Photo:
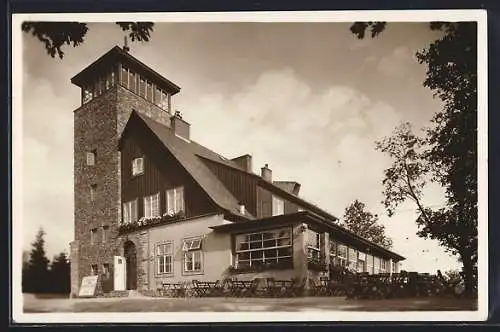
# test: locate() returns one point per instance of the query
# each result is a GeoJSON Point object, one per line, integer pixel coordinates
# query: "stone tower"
{"type": "Point", "coordinates": [111, 87]}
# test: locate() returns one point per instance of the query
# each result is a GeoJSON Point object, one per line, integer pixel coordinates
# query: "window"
{"type": "Point", "coordinates": [342, 255]}
{"type": "Point", "coordinates": [164, 101]}
{"type": "Point", "coordinates": [369, 264]}
{"type": "Point", "coordinates": [142, 87]}
{"type": "Point", "coordinates": [130, 212]}
{"type": "Point", "coordinates": [93, 192]}
{"type": "Point", "coordinates": [137, 166]}
{"type": "Point", "coordinates": [394, 267]}
{"type": "Point", "coordinates": [105, 233]}
{"type": "Point", "coordinates": [278, 206]}
{"type": "Point", "coordinates": [269, 247]}
{"type": "Point", "coordinates": [91, 156]}
{"type": "Point", "coordinates": [383, 266]}
{"type": "Point", "coordinates": [313, 246]}
{"type": "Point", "coordinates": [175, 200]}
{"type": "Point", "coordinates": [164, 258]}
{"type": "Point", "coordinates": [192, 255]}
{"type": "Point", "coordinates": [152, 206]}
{"type": "Point", "coordinates": [113, 78]}
{"type": "Point", "coordinates": [361, 261]}
{"type": "Point", "coordinates": [93, 269]}
{"type": "Point", "coordinates": [132, 83]}
{"type": "Point", "coordinates": [105, 269]}
{"type": "Point", "coordinates": [149, 92]}
{"type": "Point", "coordinates": [157, 97]}
{"type": "Point", "coordinates": [376, 265]}
{"type": "Point", "coordinates": [124, 78]}
{"type": "Point", "coordinates": [93, 235]}
{"type": "Point", "coordinates": [87, 95]}
{"type": "Point", "coordinates": [108, 80]}
{"type": "Point", "coordinates": [353, 259]}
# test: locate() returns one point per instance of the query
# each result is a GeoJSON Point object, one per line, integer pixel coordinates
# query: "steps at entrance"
{"type": "Point", "coordinates": [124, 293]}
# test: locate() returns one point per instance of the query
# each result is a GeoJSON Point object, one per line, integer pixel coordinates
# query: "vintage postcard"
{"type": "Point", "coordinates": [258, 166]}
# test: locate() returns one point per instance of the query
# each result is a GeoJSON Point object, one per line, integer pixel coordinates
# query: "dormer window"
{"type": "Point", "coordinates": [278, 206]}
{"type": "Point", "coordinates": [137, 166]}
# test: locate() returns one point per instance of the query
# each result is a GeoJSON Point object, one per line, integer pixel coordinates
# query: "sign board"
{"type": "Point", "coordinates": [88, 286]}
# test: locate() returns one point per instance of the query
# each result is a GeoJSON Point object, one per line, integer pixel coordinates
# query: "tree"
{"type": "Point", "coordinates": [56, 34]}
{"type": "Point", "coordinates": [37, 270]}
{"type": "Point", "coordinates": [60, 272]}
{"type": "Point", "coordinates": [365, 224]}
{"type": "Point", "coordinates": [447, 154]}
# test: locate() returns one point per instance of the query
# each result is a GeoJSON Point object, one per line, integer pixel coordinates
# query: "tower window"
{"type": "Point", "coordinates": [142, 87]}
{"type": "Point", "coordinates": [93, 235]}
{"type": "Point", "coordinates": [93, 192]}
{"type": "Point", "coordinates": [87, 95]}
{"type": "Point", "coordinates": [132, 83]}
{"type": "Point", "coordinates": [105, 233]}
{"type": "Point", "coordinates": [157, 98]}
{"type": "Point", "coordinates": [137, 166]}
{"type": "Point", "coordinates": [149, 92]}
{"type": "Point", "coordinates": [124, 78]}
{"type": "Point", "coordinates": [91, 157]}
{"type": "Point", "coordinates": [164, 101]}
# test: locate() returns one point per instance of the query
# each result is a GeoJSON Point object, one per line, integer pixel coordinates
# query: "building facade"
{"type": "Point", "coordinates": [153, 205]}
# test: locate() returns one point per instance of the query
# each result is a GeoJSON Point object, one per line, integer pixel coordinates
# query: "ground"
{"type": "Point", "coordinates": [33, 304]}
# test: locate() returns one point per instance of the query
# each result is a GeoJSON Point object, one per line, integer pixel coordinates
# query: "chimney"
{"type": "Point", "coordinates": [245, 162]}
{"type": "Point", "coordinates": [241, 208]}
{"type": "Point", "coordinates": [179, 126]}
{"type": "Point", "coordinates": [266, 173]}
{"type": "Point", "coordinates": [125, 45]}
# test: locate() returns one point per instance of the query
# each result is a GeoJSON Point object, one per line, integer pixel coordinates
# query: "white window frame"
{"type": "Point", "coordinates": [130, 212]}
{"type": "Point", "coordinates": [91, 158]}
{"type": "Point", "coordinates": [278, 206]}
{"type": "Point", "coordinates": [93, 192]}
{"type": "Point", "coordinates": [149, 211]}
{"type": "Point", "coordinates": [192, 249]}
{"type": "Point", "coordinates": [259, 252]}
{"type": "Point", "coordinates": [165, 258]}
{"type": "Point", "coordinates": [138, 166]}
{"type": "Point", "coordinates": [175, 197]}
{"type": "Point", "coordinates": [313, 245]}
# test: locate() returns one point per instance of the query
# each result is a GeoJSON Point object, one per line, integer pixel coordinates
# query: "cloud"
{"type": "Point", "coordinates": [322, 138]}
{"type": "Point", "coordinates": [397, 63]}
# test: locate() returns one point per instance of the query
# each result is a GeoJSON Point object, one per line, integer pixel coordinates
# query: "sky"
{"type": "Point", "coordinates": [309, 99]}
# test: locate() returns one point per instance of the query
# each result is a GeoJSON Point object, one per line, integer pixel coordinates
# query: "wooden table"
{"type": "Point", "coordinates": [207, 288]}
{"type": "Point", "coordinates": [174, 289]}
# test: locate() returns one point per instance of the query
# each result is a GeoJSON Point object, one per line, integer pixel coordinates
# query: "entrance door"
{"type": "Point", "coordinates": [131, 267]}
{"type": "Point", "coordinates": [119, 273]}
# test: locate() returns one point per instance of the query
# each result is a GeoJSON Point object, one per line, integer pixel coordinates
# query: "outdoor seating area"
{"type": "Point", "coordinates": [349, 285]}
{"type": "Point", "coordinates": [259, 287]}
{"type": "Point", "coordinates": [396, 285]}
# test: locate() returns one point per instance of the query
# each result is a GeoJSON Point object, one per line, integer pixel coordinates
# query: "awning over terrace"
{"type": "Point", "coordinates": [336, 232]}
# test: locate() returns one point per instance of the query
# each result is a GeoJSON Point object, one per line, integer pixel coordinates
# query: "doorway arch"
{"type": "Point", "coordinates": [130, 253]}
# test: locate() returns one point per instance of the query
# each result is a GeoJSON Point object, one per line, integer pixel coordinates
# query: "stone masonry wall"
{"type": "Point", "coordinates": [98, 125]}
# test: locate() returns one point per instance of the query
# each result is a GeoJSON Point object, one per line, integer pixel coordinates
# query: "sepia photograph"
{"type": "Point", "coordinates": [249, 166]}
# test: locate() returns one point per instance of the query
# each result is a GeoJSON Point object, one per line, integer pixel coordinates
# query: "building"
{"type": "Point", "coordinates": [151, 204]}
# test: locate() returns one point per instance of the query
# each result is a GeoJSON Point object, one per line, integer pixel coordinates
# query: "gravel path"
{"type": "Point", "coordinates": [141, 304]}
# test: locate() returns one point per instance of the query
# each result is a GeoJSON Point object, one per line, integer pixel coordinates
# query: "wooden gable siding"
{"type": "Point", "coordinates": [161, 172]}
{"type": "Point", "coordinates": [265, 204]}
{"type": "Point", "coordinates": [238, 183]}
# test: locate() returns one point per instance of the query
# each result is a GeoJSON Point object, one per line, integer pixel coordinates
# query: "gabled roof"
{"type": "Point", "coordinates": [183, 152]}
